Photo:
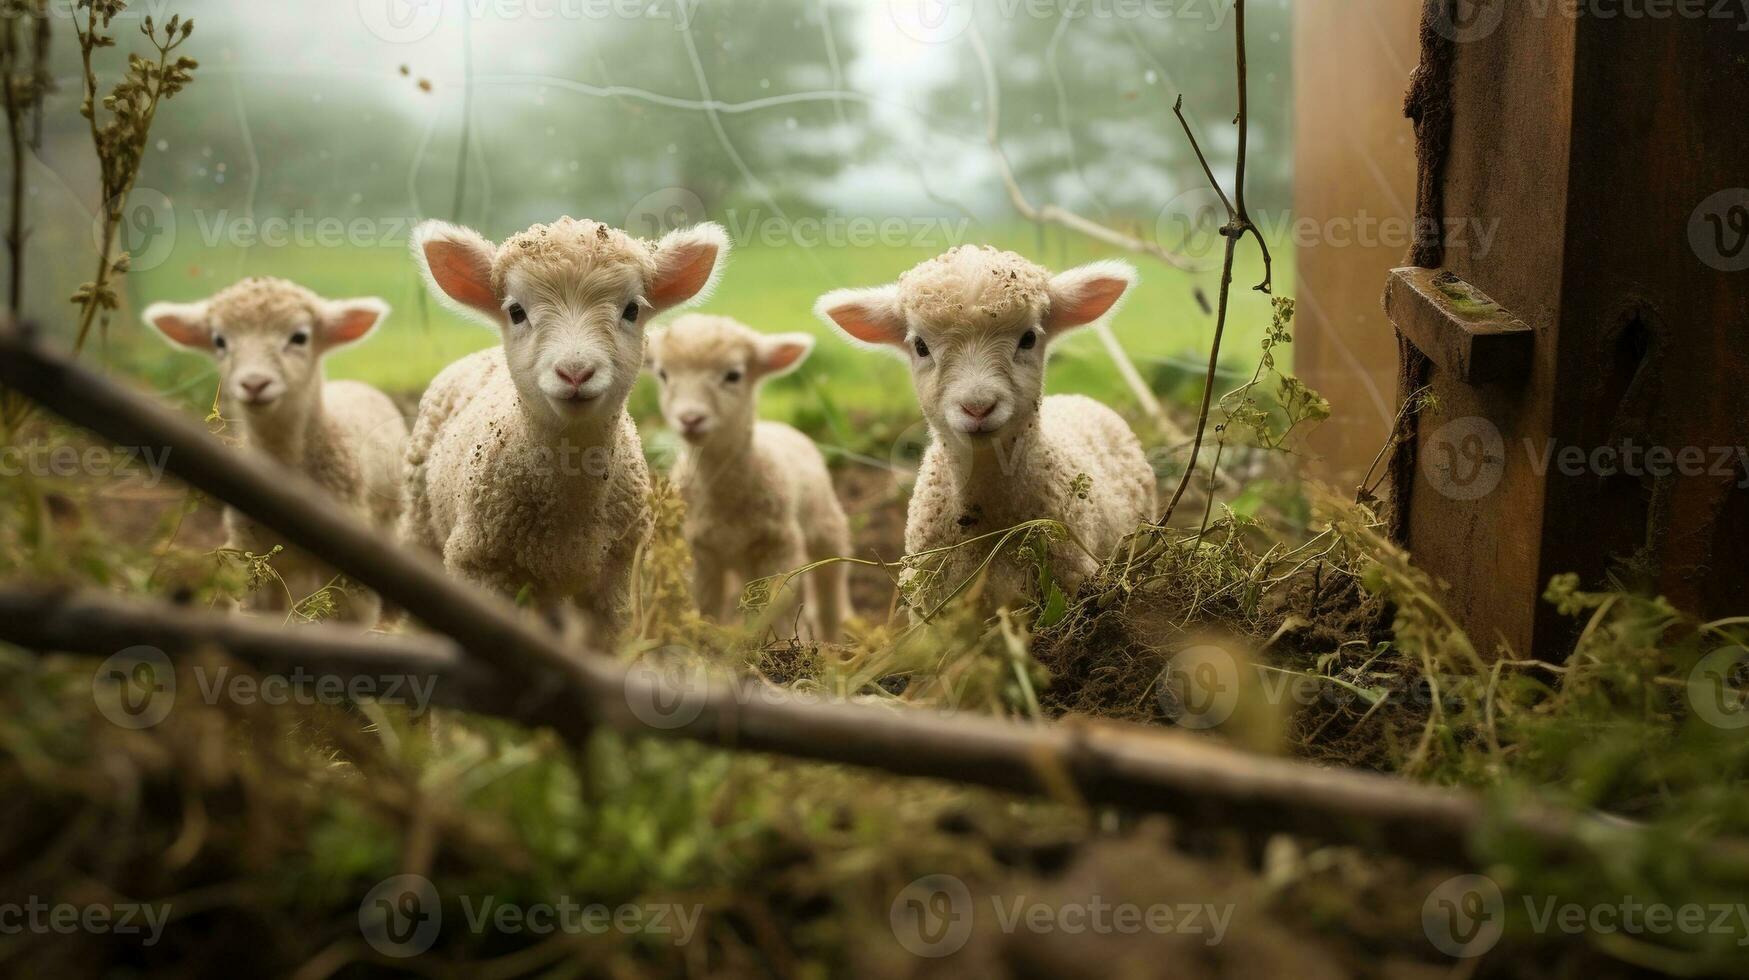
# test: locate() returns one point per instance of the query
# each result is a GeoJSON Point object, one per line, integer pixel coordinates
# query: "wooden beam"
{"type": "Point", "coordinates": [1458, 326]}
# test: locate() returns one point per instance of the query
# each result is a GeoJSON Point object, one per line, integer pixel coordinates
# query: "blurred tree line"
{"type": "Point", "coordinates": [305, 109]}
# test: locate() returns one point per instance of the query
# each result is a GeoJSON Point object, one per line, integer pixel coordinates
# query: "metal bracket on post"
{"type": "Point", "coordinates": [1458, 326]}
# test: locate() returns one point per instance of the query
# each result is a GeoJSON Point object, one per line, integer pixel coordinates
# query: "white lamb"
{"type": "Point", "coordinates": [975, 325]}
{"type": "Point", "coordinates": [759, 499]}
{"type": "Point", "coordinates": [269, 337]}
{"type": "Point", "coordinates": [525, 472]}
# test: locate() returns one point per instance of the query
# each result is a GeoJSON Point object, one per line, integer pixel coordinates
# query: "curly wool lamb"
{"type": "Point", "coordinates": [525, 473]}
{"type": "Point", "coordinates": [269, 337]}
{"type": "Point", "coordinates": [975, 325]}
{"type": "Point", "coordinates": [759, 499]}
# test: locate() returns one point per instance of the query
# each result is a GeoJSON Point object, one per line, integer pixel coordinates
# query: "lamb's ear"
{"type": "Point", "coordinates": [457, 262]}
{"type": "Point", "coordinates": [183, 324]}
{"type": "Point", "coordinates": [688, 262]}
{"type": "Point", "coordinates": [872, 316]}
{"type": "Point", "coordinates": [783, 353]}
{"type": "Point", "coordinates": [1086, 293]}
{"type": "Point", "coordinates": [347, 320]}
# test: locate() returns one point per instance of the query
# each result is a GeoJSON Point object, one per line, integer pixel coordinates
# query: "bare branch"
{"type": "Point", "coordinates": [1238, 225]}
{"type": "Point", "coordinates": [1122, 765]}
{"type": "Point", "coordinates": [1178, 110]}
{"type": "Point", "coordinates": [1051, 213]}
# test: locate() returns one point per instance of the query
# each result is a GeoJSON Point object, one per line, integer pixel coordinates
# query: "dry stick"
{"type": "Point", "coordinates": [1110, 764]}
{"type": "Point", "coordinates": [15, 192]}
{"type": "Point", "coordinates": [48, 617]}
{"type": "Point", "coordinates": [1238, 225]}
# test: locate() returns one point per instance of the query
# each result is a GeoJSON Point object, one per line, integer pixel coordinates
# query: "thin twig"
{"type": "Point", "coordinates": [1238, 225]}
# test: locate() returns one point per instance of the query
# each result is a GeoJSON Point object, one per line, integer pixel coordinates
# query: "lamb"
{"type": "Point", "coordinates": [525, 473]}
{"type": "Point", "coordinates": [975, 325]}
{"type": "Point", "coordinates": [759, 500]}
{"type": "Point", "coordinates": [269, 337]}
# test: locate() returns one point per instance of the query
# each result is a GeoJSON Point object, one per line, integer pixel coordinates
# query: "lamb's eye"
{"type": "Point", "coordinates": [1029, 340]}
{"type": "Point", "coordinates": [517, 313]}
{"type": "Point", "coordinates": [631, 313]}
{"type": "Point", "coordinates": [219, 343]}
{"type": "Point", "coordinates": [922, 348]}
{"type": "Point", "coordinates": [662, 375]}
{"type": "Point", "coordinates": [732, 377]}
{"type": "Point", "coordinates": [300, 338]}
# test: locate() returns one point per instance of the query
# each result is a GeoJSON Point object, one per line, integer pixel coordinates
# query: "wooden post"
{"type": "Point", "coordinates": [1592, 190]}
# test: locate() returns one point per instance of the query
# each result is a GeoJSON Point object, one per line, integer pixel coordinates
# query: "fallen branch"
{"type": "Point", "coordinates": [53, 618]}
{"type": "Point", "coordinates": [1100, 764]}
{"type": "Point", "coordinates": [1103, 763]}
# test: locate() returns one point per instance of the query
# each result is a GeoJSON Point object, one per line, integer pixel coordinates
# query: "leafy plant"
{"type": "Point", "coordinates": [121, 125]}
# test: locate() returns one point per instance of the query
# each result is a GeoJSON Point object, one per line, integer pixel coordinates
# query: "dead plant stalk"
{"type": "Point", "coordinates": [1238, 225]}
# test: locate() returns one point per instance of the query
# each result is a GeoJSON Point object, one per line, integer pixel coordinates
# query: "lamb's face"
{"type": "Point", "coordinates": [976, 378]}
{"type": "Point", "coordinates": [268, 336]}
{"type": "Point", "coordinates": [570, 300]}
{"type": "Point", "coordinates": [708, 371]}
{"type": "Point", "coordinates": [574, 336]}
{"type": "Point", "coordinates": [975, 325]}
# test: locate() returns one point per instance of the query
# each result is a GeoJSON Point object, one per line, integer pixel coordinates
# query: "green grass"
{"type": "Point", "coordinates": [772, 289]}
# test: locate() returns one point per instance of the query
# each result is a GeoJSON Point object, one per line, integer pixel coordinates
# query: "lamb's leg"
{"type": "Point", "coordinates": [829, 585]}
{"type": "Point", "coordinates": [829, 595]}
{"type": "Point", "coordinates": [707, 586]}
{"type": "Point", "coordinates": [607, 610]}
{"type": "Point", "coordinates": [359, 605]}
{"type": "Point", "coordinates": [787, 555]}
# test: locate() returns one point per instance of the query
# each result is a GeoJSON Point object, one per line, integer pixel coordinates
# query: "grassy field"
{"type": "Point", "coordinates": [773, 289]}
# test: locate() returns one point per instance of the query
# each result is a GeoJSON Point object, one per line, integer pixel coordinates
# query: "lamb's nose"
{"type": "Point", "coordinates": [978, 410]}
{"type": "Point", "coordinates": [253, 387]}
{"type": "Point", "coordinates": [691, 421]}
{"type": "Point", "coordinates": [574, 376]}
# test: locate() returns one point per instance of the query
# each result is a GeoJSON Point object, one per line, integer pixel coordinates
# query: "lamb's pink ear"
{"type": "Point", "coordinates": [183, 324]}
{"type": "Point", "coordinates": [688, 262]}
{"type": "Point", "coordinates": [784, 352]}
{"type": "Point", "coordinates": [347, 320]}
{"type": "Point", "coordinates": [1086, 293]}
{"type": "Point", "coordinates": [458, 262]}
{"type": "Point", "coordinates": [872, 316]}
